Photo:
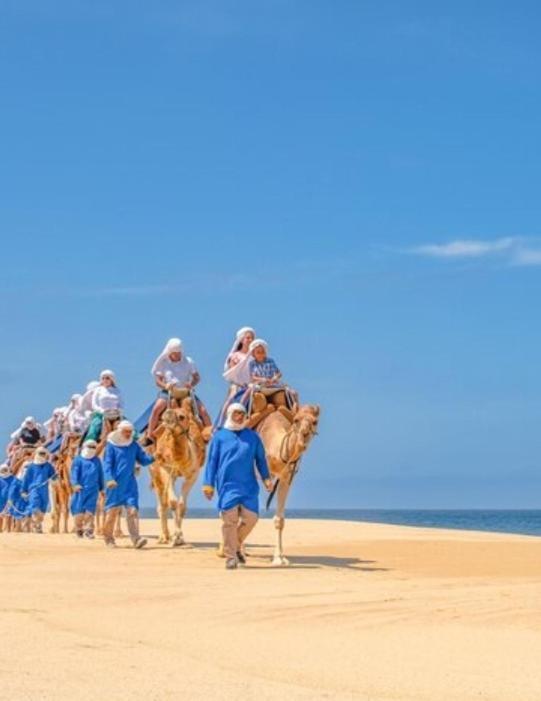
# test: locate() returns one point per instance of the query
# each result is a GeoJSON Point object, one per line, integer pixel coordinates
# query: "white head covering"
{"type": "Point", "coordinates": [29, 422]}
{"type": "Point", "coordinates": [75, 399]}
{"type": "Point", "coordinates": [241, 333]}
{"type": "Point", "coordinates": [258, 342]}
{"type": "Point", "coordinates": [59, 411]}
{"type": "Point", "coordinates": [173, 345]}
{"type": "Point", "coordinates": [238, 373]}
{"type": "Point", "coordinates": [92, 385]}
{"type": "Point", "coordinates": [229, 423]}
{"type": "Point", "coordinates": [108, 373]}
{"type": "Point", "coordinates": [5, 470]}
{"type": "Point", "coordinates": [89, 449]}
{"type": "Point", "coordinates": [116, 437]}
{"type": "Point", "coordinates": [40, 456]}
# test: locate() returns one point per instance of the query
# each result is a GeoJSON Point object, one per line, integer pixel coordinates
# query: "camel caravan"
{"type": "Point", "coordinates": [84, 462]}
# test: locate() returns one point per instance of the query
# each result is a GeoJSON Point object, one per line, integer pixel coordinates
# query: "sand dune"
{"type": "Point", "coordinates": [366, 611]}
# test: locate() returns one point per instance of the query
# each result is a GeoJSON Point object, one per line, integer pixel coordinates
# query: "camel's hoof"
{"type": "Point", "coordinates": [280, 562]}
{"type": "Point", "coordinates": [163, 540]}
{"type": "Point", "coordinates": [178, 541]}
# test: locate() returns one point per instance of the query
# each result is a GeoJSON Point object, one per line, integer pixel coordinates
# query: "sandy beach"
{"type": "Point", "coordinates": [365, 611]}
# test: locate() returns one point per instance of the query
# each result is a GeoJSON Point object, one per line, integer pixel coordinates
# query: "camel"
{"type": "Point", "coordinates": [285, 442]}
{"type": "Point", "coordinates": [61, 488]}
{"type": "Point", "coordinates": [22, 454]}
{"type": "Point", "coordinates": [179, 453]}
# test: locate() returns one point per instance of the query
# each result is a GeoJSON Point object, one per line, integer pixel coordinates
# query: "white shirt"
{"type": "Point", "coordinates": [106, 399]}
{"type": "Point", "coordinates": [239, 374]}
{"type": "Point", "coordinates": [86, 402]}
{"type": "Point", "coordinates": [179, 373]}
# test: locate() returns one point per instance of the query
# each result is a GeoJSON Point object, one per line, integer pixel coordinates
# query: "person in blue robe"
{"type": "Point", "coordinates": [235, 455]}
{"type": "Point", "coordinates": [35, 487]}
{"type": "Point", "coordinates": [122, 455]}
{"type": "Point", "coordinates": [87, 482]}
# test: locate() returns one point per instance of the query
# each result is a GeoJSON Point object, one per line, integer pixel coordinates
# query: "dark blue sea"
{"type": "Point", "coordinates": [526, 522]}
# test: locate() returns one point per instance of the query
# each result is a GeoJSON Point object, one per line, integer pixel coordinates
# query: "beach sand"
{"type": "Point", "coordinates": [365, 611]}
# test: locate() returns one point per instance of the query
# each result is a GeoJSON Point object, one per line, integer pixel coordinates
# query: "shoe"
{"type": "Point", "coordinates": [231, 564]}
{"type": "Point", "coordinates": [240, 558]}
{"type": "Point", "coordinates": [140, 543]}
{"type": "Point", "coordinates": [79, 534]}
{"type": "Point", "coordinates": [89, 535]}
{"type": "Point", "coordinates": [110, 543]}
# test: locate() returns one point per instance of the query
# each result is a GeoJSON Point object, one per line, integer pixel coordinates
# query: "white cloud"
{"type": "Point", "coordinates": [527, 256]}
{"type": "Point", "coordinates": [466, 248]}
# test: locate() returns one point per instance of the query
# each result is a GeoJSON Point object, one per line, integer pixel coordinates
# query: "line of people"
{"type": "Point", "coordinates": [256, 389]}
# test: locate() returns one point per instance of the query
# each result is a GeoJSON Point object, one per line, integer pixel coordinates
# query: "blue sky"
{"type": "Point", "coordinates": [358, 180]}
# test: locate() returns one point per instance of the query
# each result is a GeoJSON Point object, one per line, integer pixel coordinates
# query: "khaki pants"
{"type": "Point", "coordinates": [37, 521]}
{"type": "Point", "coordinates": [237, 524]}
{"type": "Point", "coordinates": [132, 517]}
{"type": "Point", "coordinates": [84, 522]}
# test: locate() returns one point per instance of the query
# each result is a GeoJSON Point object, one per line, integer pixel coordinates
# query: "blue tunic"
{"type": "Point", "coordinates": [88, 474]}
{"type": "Point", "coordinates": [5, 483]}
{"type": "Point", "coordinates": [20, 507]}
{"type": "Point", "coordinates": [36, 485]}
{"type": "Point", "coordinates": [233, 457]}
{"type": "Point", "coordinates": [119, 465]}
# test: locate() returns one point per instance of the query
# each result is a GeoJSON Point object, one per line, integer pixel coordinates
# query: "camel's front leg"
{"type": "Point", "coordinates": [180, 511]}
{"type": "Point", "coordinates": [55, 514]}
{"type": "Point", "coordinates": [278, 559]}
{"type": "Point", "coordinates": [66, 512]}
{"type": "Point", "coordinates": [163, 511]}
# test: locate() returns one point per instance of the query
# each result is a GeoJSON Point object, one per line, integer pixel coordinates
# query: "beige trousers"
{"type": "Point", "coordinates": [237, 524]}
{"type": "Point", "coordinates": [132, 517]}
{"type": "Point", "coordinates": [84, 522]}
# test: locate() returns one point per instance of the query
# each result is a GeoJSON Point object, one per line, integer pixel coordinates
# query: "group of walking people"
{"type": "Point", "coordinates": [109, 465]}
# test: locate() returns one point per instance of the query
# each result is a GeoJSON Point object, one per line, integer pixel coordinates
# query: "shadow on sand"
{"type": "Point", "coordinates": [304, 562]}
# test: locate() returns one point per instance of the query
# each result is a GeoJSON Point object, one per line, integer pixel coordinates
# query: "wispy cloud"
{"type": "Point", "coordinates": [465, 248]}
{"type": "Point", "coordinates": [527, 256]}
{"type": "Point", "coordinates": [511, 250]}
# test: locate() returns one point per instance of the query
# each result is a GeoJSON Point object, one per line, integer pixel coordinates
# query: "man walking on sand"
{"type": "Point", "coordinates": [234, 455]}
{"type": "Point", "coordinates": [120, 470]}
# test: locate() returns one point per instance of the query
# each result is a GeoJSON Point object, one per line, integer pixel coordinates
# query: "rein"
{"type": "Point", "coordinates": [285, 457]}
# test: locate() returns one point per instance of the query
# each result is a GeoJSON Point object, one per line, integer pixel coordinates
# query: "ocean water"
{"type": "Point", "coordinates": [526, 522]}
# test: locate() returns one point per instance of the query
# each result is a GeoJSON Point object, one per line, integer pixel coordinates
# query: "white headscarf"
{"type": "Point", "coordinates": [258, 342]}
{"type": "Point", "coordinates": [108, 373]}
{"type": "Point", "coordinates": [40, 456]}
{"type": "Point", "coordinates": [238, 373]}
{"type": "Point", "coordinates": [89, 449]}
{"type": "Point", "coordinates": [29, 422]}
{"type": "Point", "coordinates": [116, 437]}
{"type": "Point", "coordinates": [229, 423]}
{"type": "Point", "coordinates": [173, 345]}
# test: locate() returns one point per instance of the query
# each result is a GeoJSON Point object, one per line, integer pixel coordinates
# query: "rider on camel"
{"type": "Point", "coordinates": [175, 375]}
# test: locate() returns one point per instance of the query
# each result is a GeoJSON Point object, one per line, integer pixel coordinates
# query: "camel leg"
{"type": "Point", "coordinates": [180, 511]}
{"type": "Point", "coordinates": [278, 559]}
{"type": "Point", "coordinates": [163, 512]}
{"type": "Point", "coordinates": [55, 516]}
{"type": "Point", "coordinates": [66, 513]}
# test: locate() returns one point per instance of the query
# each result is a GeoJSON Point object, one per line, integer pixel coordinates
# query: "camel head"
{"type": "Point", "coordinates": [304, 427]}
{"type": "Point", "coordinates": [176, 420]}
